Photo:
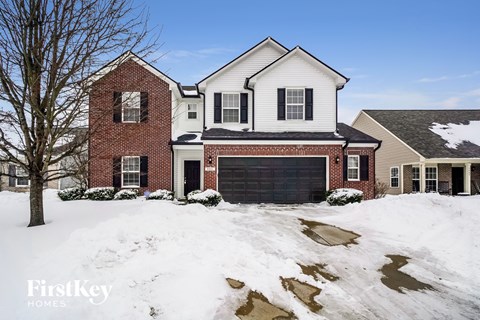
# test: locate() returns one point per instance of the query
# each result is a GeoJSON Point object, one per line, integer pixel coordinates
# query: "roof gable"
{"type": "Point", "coordinates": [414, 128]}
{"type": "Point", "coordinates": [266, 41]}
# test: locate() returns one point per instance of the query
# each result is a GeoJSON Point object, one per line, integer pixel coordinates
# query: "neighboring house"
{"type": "Point", "coordinates": [263, 128]}
{"type": "Point", "coordinates": [425, 150]}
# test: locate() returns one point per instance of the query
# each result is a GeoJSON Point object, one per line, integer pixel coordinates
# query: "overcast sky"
{"type": "Point", "coordinates": [398, 54]}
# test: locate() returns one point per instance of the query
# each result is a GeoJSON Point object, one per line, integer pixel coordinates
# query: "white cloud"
{"type": "Point", "coordinates": [442, 78]}
{"type": "Point", "coordinates": [180, 55]}
{"type": "Point", "coordinates": [433, 79]}
{"type": "Point", "coordinates": [451, 103]}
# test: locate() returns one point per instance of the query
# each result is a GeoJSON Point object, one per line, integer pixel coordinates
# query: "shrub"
{"type": "Point", "coordinates": [126, 194]}
{"type": "Point", "coordinates": [71, 194]}
{"type": "Point", "coordinates": [340, 197]}
{"type": "Point", "coordinates": [100, 194]}
{"type": "Point", "coordinates": [380, 189]}
{"type": "Point", "coordinates": [160, 194]}
{"type": "Point", "coordinates": [209, 197]}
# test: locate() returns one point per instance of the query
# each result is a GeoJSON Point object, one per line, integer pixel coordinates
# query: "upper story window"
{"type": "Point", "coordinates": [131, 106]}
{"type": "Point", "coordinates": [22, 177]}
{"type": "Point", "coordinates": [231, 107]}
{"type": "Point", "coordinates": [192, 111]}
{"type": "Point", "coordinates": [131, 172]}
{"type": "Point", "coordinates": [353, 168]}
{"type": "Point", "coordinates": [394, 177]}
{"type": "Point", "coordinates": [295, 104]}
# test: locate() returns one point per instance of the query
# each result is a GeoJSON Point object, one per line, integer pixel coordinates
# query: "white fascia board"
{"type": "Point", "coordinates": [362, 145]}
{"type": "Point", "coordinates": [452, 160]}
{"type": "Point", "coordinates": [272, 142]}
{"type": "Point", "coordinates": [188, 147]}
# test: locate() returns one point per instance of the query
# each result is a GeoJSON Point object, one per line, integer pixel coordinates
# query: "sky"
{"type": "Point", "coordinates": [398, 54]}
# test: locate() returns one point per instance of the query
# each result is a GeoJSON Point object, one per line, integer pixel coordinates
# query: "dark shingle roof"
{"type": "Point", "coordinates": [412, 127]}
{"type": "Point", "coordinates": [345, 132]}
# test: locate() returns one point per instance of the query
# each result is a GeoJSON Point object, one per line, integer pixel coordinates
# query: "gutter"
{"type": "Point", "coordinates": [173, 165]}
{"type": "Point", "coordinates": [378, 147]}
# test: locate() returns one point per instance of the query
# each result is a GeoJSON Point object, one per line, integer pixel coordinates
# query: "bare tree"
{"type": "Point", "coordinates": [48, 49]}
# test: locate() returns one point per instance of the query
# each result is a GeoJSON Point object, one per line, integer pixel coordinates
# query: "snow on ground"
{"type": "Point", "coordinates": [455, 134]}
{"type": "Point", "coordinates": [174, 259]}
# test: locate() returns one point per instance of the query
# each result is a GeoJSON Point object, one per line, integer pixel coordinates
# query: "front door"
{"type": "Point", "coordinates": [457, 180]}
{"type": "Point", "coordinates": [191, 179]}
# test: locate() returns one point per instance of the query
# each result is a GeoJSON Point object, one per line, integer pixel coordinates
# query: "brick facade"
{"type": "Point", "coordinates": [335, 170]}
{"type": "Point", "coordinates": [149, 138]}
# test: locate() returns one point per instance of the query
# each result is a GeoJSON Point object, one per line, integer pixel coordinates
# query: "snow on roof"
{"type": "Point", "coordinates": [184, 136]}
{"type": "Point", "coordinates": [190, 92]}
{"type": "Point", "coordinates": [456, 134]}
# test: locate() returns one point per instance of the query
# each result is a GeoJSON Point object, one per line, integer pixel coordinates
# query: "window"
{"type": "Point", "coordinates": [430, 179]}
{"type": "Point", "coordinates": [394, 174]}
{"type": "Point", "coordinates": [191, 111]}
{"type": "Point", "coordinates": [22, 177]}
{"type": "Point", "coordinates": [353, 168]}
{"type": "Point", "coordinates": [231, 107]}
{"type": "Point", "coordinates": [415, 179]}
{"type": "Point", "coordinates": [130, 106]}
{"type": "Point", "coordinates": [131, 172]}
{"type": "Point", "coordinates": [295, 103]}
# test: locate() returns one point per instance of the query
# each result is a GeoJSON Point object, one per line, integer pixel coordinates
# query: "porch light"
{"type": "Point", "coordinates": [210, 160]}
{"type": "Point", "coordinates": [337, 159]}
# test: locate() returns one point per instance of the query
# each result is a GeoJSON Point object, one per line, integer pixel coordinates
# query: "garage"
{"type": "Point", "coordinates": [272, 179]}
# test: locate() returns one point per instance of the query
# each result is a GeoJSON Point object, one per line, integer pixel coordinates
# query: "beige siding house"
{"type": "Point", "coordinates": [425, 150]}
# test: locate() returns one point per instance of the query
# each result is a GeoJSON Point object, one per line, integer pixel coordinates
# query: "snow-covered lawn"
{"type": "Point", "coordinates": [167, 261]}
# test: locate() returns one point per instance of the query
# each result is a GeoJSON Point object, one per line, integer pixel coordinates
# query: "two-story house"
{"type": "Point", "coordinates": [263, 128]}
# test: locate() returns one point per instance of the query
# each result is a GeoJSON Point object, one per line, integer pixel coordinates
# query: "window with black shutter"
{"type": "Point", "coordinates": [144, 171]}
{"type": "Point", "coordinates": [244, 108]}
{"type": "Point", "coordinates": [217, 107]}
{"type": "Point", "coordinates": [363, 168]}
{"type": "Point", "coordinates": [281, 104]}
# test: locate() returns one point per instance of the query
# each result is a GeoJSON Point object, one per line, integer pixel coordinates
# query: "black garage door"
{"type": "Point", "coordinates": [272, 180]}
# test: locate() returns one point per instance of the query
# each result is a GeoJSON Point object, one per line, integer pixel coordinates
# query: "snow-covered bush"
{"type": "Point", "coordinates": [209, 197]}
{"type": "Point", "coordinates": [342, 196]}
{"type": "Point", "coordinates": [100, 194]}
{"type": "Point", "coordinates": [71, 194]}
{"type": "Point", "coordinates": [160, 194]}
{"type": "Point", "coordinates": [126, 194]}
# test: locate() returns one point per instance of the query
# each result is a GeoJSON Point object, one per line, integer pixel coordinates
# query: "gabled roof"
{"type": "Point", "coordinates": [258, 45]}
{"type": "Point", "coordinates": [124, 57]}
{"type": "Point", "coordinates": [298, 49]}
{"type": "Point", "coordinates": [414, 128]}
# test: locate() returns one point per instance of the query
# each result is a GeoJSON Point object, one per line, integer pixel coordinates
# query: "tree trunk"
{"type": "Point", "coordinates": [36, 201]}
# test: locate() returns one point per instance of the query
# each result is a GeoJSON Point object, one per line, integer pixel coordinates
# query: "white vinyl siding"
{"type": "Point", "coordinates": [295, 104]}
{"type": "Point", "coordinates": [231, 107]}
{"type": "Point", "coordinates": [180, 112]}
{"type": "Point", "coordinates": [130, 172]}
{"type": "Point", "coordinates": [394, 177]}
{"type": "Point", "coordinates": [431, 181]}
{"type": "Point", "coordinates": [130, 106]}
{"type": "Point", "coordinates": [353, 170]}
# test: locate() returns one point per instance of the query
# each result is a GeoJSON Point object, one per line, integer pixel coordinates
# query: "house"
{"type": "Point", "coordinates": [425, 150]}
{"type": "Point", "coordinates": [262, 128]}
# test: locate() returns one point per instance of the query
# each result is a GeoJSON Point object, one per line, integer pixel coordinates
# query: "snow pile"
{"type": "Point", "coordinates": [190, 92]}
{"type": "Point", "coordinates": [174, 259]}
{"type": "Point", "coordinates": [209, 197]}
{"type": "Point", "coordinates": [456, 134]}
{"type": "Point", "coordinates": [343, 196]}
{"type": "Point", "coordinates": [160, 194]}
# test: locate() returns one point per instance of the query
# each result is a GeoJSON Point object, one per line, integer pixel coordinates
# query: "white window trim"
{"type": "Point", "coordinates": [23, 176]}
{"type": "Point", "coordinates": [358, 167]}
{"type": "Point", "coordinates": [296, 104]}
{"type": "Point", "coordinates": [139, 171]}
{"type": "Point", "coordinates": [134, 107]}
{"type": "Point", "coordinates": [436, 177]}
{"type": "Point", "coordinates": [196, 111]}
{"type": "Point", "coordinates": [398, 177]}
{"type": "Point", "coordinates": [229, 108]}
{"type": "Point", "coordinates": [416, 179]}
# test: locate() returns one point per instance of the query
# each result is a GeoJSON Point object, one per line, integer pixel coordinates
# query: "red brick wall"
{"type": "Point", "coordinates": [368, 187]}
{"type": "Point", "coordinates": [149, 138]}
{"type": "Point", "coordinates": [332, 151]}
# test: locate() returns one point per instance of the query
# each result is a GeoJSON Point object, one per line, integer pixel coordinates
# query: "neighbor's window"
{"type": "Point", "coordinates": [295, 103]}
{"type": "Point", "coordinates": [394, 174]}
{"type": "Point", "coordinates": [353, 168]}
{"type": "Point", "coordinates": [231, 107]}
{"type": "Point", "coordinates": [22, 177]}
{"type": "Point", "coordinates": [131, 172]}
{"type": "Point", "coordinates": [191, 111]}
{"type": "Point", "coordinates": [431, 179]}
{"type": "Point", "coordinates": [130, 106]}
{"type": "Point", "coordinates": [415, 179]}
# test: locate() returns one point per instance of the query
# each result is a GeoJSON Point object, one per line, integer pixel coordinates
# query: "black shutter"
{"type": "Point", "coordinates": [364, 168]}
{"type": "Point", "coordinates": [117, 172]}
{"type": "Point", "coordinates": [144, 171]}
{"type": "Point", "coordinates": [143, 106]}
{"type": "Point", "coordinates": [12, 171]}
{"type": "Point", "coordinates": [345, 168]}
{"type": "Point", "coordinates": [308, 104]}
{"type": "Point", "coordinates": [117, 107]}
{"type": "Point", "coordinates": [217, 107]}
{"type": "Point", "coordinates": [243, 107]}
{"type": "Point", "coordinates": [280, 104]}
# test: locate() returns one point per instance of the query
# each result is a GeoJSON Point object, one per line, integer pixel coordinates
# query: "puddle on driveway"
{"type": "Point", "coordinates": [303, 291]}
{"type": "Point", "coordinates": [317, 270]}
{"type": "Point", "coordinates": [396, 279]}
{"type": "Point", "coordinates": [258, 307]}
{"type": "Point", "coordinates": [235, 284]}
{"type": "Point", "coordinates": [328, 235]}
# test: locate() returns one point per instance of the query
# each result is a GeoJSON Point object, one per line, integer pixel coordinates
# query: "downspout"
{"type": "Point", "coordinates": [347, 142]}
{"type": "Point", "coordinates": [203, 95]}
{"type": "Point", "coordinates": [253, 101]}
{"type": "Point", "coordinates": [173, 165]}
